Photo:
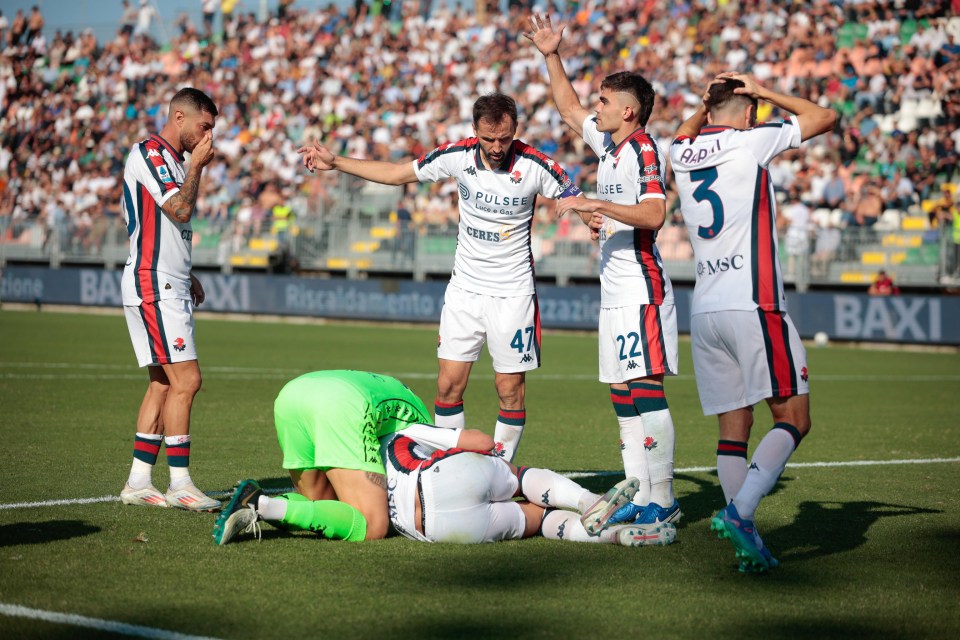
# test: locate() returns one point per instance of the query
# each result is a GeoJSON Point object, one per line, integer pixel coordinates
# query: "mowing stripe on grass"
{"type": "Point", "coordinates": [568, 474]}
{"type": "Point", "coordinates": [110, 626]}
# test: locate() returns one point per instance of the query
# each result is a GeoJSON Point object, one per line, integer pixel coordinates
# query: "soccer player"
{"type": "Point", "coordinates": [438, 493]}
{"type": "Point", "coordinates": [159, 294]}
{"type": "Point", "coordinates": [745, 347]}
{"type": "Point", "coordinates": [638, 323]}
{"type": "Point", "coordinates": [336, 428]}
{"type": "Point", "coordinates": [328, 424]}
{"type": "Point", "coordinates": [491, 295]}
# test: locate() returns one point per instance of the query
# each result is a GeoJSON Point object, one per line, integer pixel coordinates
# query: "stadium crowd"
{"type": "Point", "coordinates": [387, 87]}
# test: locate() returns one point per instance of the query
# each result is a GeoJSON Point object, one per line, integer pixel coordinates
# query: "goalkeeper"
{"type": "Point", "coordinates": [335, 427]}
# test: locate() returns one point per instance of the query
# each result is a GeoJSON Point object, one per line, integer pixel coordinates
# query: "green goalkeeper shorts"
{"type": "Point", "coordinates": [333, 419]}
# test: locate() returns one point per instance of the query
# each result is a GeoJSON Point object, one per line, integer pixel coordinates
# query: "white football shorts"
{"type": "Point", "coordinates": [162, 331]}
{"type": "Point", "coordinates": [743, 357]}
{"type": "Point", "coordinates": [467, 499]}
{"type": "Point", "coordinates": [509, 326]}
{"type": "Point", "coordinates": [637, 341]}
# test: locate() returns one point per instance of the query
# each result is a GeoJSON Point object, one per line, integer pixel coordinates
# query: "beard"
{"type": "Point", "coordinates": [188, 142]}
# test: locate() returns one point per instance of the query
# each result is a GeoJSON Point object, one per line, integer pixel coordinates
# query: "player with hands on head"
{"type": "Point", "coordinates": [491, 296]}
{"type": "Point", "coordinates": [160, 292]}
{"type": "Point", "coordinates": [638, 326]}
{"type": "Point", "coordinates": [745, 347]}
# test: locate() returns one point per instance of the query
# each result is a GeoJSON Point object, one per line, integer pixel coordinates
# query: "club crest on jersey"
{"type": "Point", "coordinates": [649, 443]}
{"type": "Point", "coordinates": [179, 344]}
{"type": "Point", "coordinates": [803, 374]}
{"type": "Point", "coordinates": [622, 446]}
{"type": "Point", "coordinates": [498, 450]}
{"type": "Point", "coordinates": [516, 177]}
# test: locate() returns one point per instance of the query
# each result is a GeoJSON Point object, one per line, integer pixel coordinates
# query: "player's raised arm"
{"type": "Point", "coordinates": [813, 118]}
{"type": "Point", "coordinates": [547, 40]}
{"type": "Point", "coordinates": [316, 156]}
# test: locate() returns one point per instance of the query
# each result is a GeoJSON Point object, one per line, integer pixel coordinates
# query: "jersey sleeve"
{"type": "Point", "coordinates": [769, 139]}
{"type": "Point", "coordinates": [148, 167]}
{"type": "Point", "coordinates": [554, 181]}
{"type": "Point", "coordinates": [442, 162]}
{"type": "Point", "coordinates": [592, 136]}
{"type": "Point", "coordinates": [428, 435]}
{"type": "Point", "coordinates": [649, 170]}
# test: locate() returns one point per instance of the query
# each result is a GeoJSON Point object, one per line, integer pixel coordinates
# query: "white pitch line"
{"type": "Point", "coordinates": [568, 474]}
{"type": "Point", "coordinates": [111, 626]}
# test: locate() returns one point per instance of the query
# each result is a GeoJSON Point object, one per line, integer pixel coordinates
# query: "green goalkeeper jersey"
{"type": "Point", "coordinates": [333, 419]}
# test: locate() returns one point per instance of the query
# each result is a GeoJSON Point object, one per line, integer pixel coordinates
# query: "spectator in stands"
{"type": "Point", "coordinates": [34, 24]}
{"type": "Point", "coordinates": [883, 286]}
{"type": "Point", "coordinates": [18, 28]}
{"type": "Point", "coordinates": [825, 249]}
{"type": "Point", "coordinates": [404, 235]}
{"type": "Point", "coordinates": [128, 18]}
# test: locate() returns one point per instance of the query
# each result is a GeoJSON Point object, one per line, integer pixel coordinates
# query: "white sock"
{"type": "Point", "coordinates": [506, 438]}
{"type": "Point", "coordinates": [272, 508]}
{"type": "Point", "coordinates": [550, 489]}
{"type": "Point", "coordinates": [179, 476]}
{"type": "Point", "coordinates": [634, 456]}
{"type": "Point", "coordinates": [565, 525]}
{"type": "Point", "coordinates": [769, 461]}
{"type": "Point", "coordinates": [449, 416]}
{"type": "Point", "coordinates": [141, 473]}
{"type": "Point", "coordinates": [659, 444]}
{"type": "Point", "coordinates": [731, 467]}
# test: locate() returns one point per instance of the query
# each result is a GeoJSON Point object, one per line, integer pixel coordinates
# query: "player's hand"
{"type": "Point", "coordinates": [716, 81]}
{"type": "Point", "coordinates": [316, 156]}
{"type": "Point", "coordinates": [543, 34]}
{"type": "Point", "coordinates": [197, 294]}
{"type": "Point", "coordinates": [202, 154]}
{"type": "Point", "coordinates": [750, 87]}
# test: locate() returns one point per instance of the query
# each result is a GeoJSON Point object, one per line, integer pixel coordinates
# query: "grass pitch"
{"type": "Point", "coordinates": [866, 551]}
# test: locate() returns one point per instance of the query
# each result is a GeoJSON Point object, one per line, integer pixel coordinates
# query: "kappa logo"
{"type": "Point", "coordinates": [646, 148]}
{"type": "Point", "coordinates": [560, 529]}
{"type": "Point", "coordinates": [803, 374]}
{"type": "Point", "coordinates": [632, 365]}
{"type": "Point", "coordinates": [649, 443]}
{"type": "Point", "coordinates": [179, 344]}
{"type": "Point", "coordinates": [153, 153]}
{"type": "Point", "coordinates": [545, 498]}
{"type": "Point", "coordinates": [526, 358]}
{"type": "Point", "coordinates": [472, 171]}
{"type": "Point", "coordinates": [753, 465]}
{"type": "Point", "coordinates": [516, 177]}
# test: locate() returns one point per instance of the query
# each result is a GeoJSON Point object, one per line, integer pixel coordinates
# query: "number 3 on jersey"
{"type": "Point", "coordinates": [517, 342]}
{"type": "Point", "coordinates": [707, 177]}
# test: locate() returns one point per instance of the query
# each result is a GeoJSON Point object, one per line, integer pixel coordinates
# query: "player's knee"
{"type": "Point", "coordinates": [377, 525]}
{"type": "Point", "coordinates": [189, 383]}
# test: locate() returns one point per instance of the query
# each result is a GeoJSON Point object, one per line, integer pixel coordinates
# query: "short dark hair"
{"type": "Point", "coordinates": [721, 94]}
{"type": "Point", "coordinates": [493, 107]}
{"type": "Point", "coordinates": [637, 86]}
{"type": "Point", "coordinates": [196, 99]}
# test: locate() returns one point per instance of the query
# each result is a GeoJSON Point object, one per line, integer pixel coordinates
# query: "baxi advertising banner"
{"type": "Point", "coordinates": [842, 316]}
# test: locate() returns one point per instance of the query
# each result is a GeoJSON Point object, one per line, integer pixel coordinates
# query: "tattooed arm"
{"type": "Point", "coordinates": [180, 206]}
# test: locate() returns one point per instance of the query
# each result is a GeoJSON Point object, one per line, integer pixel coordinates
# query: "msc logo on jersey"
{"type": "Point", "coordinates": [179, 344]}
{"type": "Point", "coordinates": [516, 177]}
{"type": "Point", "coordinates": [720, 265]}
{"type": "Point", "coordinates": [464, 192]}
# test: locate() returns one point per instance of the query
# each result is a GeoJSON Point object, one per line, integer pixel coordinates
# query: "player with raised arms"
{"type": "Point", "coordinates": [745, 347]}
{"type": "Point", "coordinates": [638, 321]}
{"type": "Point", "coordinates": [491, 296]}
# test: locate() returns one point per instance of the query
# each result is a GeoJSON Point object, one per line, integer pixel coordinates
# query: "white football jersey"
{"type": "Point", "coordinates": [158, 267]}
{"type": "Point", "coordinates": [496, 211]}
{"type": "Point", "coordinates": [728, 205]}
{"type": "Point", "coordinates": [631, 270]}
{"type": "Point", "coordinates": [405, 454]}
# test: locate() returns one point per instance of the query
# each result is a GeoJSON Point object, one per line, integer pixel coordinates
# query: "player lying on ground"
{"type": "Point", "coordinates": [328, 423]}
